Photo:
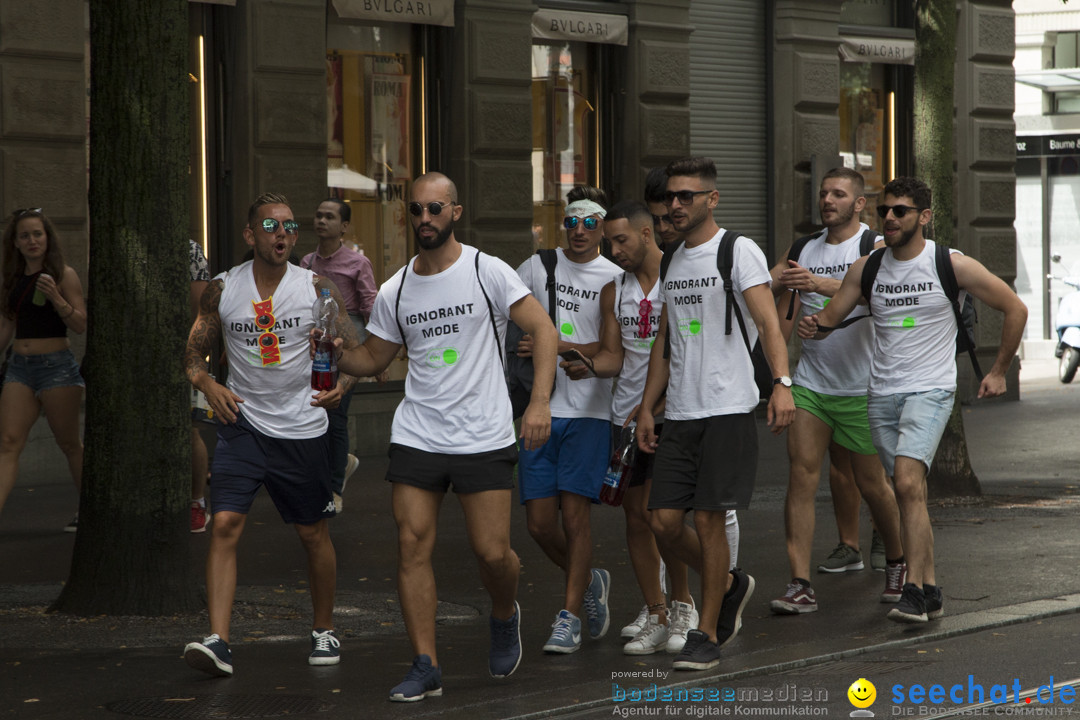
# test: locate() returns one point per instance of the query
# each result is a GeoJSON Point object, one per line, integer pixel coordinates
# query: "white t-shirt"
{"type": "Point", "coordinates": [711, 373]}
{"type": "Point", "coordinates": [266, 342]}
{"type": "Point", "coordinates": [840, 363]}
{"type": "Point", "coordinates": [456, 402]}
{"type": "Point", "coordinates": [577, 292]}
{"type": "Point", "coordinates": [631, 381]}
{"type": "Point", "coordinates": [915, 348]}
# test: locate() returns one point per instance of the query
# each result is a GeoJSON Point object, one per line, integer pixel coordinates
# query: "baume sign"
{"type": "Point", "coordinates": [1040, 145]}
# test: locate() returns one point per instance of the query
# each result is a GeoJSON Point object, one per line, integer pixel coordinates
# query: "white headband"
{"type": "Point", "coordinates": [583, 209]}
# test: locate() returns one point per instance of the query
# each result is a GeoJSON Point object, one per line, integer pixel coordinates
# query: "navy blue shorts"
{"type": "Point", "coordinates": [296, 473]}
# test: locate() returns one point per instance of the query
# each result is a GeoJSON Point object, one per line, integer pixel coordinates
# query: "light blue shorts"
{"type": "Point", "coordinates": [44, 372]}
{"type": "Point", "coordinates": [573, 460]}
{"type": "Point", "coordinates": [908, 424]}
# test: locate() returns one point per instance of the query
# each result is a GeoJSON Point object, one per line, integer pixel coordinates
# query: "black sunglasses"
{"type": "Point", "coordinates": [433, 208]}
{"type": "Point", "coordinates": [685, 197]}
{"type": "Point", "coordinates": [657, 219]}
{"type": "Point", "coordinates": [271, 225]}
{"type": "Point", "coordinates": [590, 223]}
{"type": "Point", "coordinates": [898, 211]}
{"type": "Point", "coordinates": [25, 211]}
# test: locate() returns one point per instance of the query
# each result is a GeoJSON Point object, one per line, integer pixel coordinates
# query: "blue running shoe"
{"type": "Point", "coordinates": [596, 603]}
{"type": "Point", "coordinates": [421, 681]}
{"type": "Point", "coordinates": [565, 634]}
{"type": "Point", "coordinates": [212, 656]}
{"type": "Point", "coordinates": [505, 645]}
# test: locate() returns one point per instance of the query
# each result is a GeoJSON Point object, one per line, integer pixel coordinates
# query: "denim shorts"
{"type": "Point", "coordinates": [908, 424]}
{"type": "Point", "coordinates": [45, 371]}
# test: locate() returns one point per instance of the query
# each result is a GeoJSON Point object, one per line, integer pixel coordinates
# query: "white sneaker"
{"type": "Point", "coordinates": [630, 631]}
{"type": "Point", "coordinates": [652, 637]}
{"type": "Point", "coordinates": [682, 619]}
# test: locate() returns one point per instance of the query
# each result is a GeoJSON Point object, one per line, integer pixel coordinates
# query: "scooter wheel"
{"type": "Point", "coordinates": [1070, 360]}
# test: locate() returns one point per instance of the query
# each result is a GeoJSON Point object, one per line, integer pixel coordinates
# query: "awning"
{"type": "Point", "coordinates": [420, 12]}
{"type": "Point", "coordinates": [890, 51]}
{"type": "Point", "coordinates": [1051, 79]}
{"type": "Point", "coordinates": [548, 24]}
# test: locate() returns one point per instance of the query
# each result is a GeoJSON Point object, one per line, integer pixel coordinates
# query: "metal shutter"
{"type": "Point", "coordinates": [727, 107]}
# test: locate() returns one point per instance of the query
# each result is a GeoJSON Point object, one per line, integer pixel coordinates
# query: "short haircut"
{"type": "Point", "coordinates": [436, 176]}
{"type": "Point", "coordinates": [631, 210]}
{"type": "Point", "coordinates": [700, 167]}
{"type": "Point", "coordinates": [343, 208]}
{"type": "Point", "coordinates": [587, 192]}
{"type": "Point", "coordinates": [843, 173]}
{"type": "Point", "coordinates": [265, 199]}
{"type": "Point", "coordinates": [909, 187]}
{"type": "Point", "coordinates": [655, 185]}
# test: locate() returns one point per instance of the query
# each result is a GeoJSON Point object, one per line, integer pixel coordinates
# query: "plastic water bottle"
{"type": "Point", "coordinates": [617, 477]}
{"type": "Point", "coordinates": [324, 372]}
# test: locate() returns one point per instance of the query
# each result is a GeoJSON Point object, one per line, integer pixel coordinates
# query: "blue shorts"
{"type": "Point", "coordinates": [908, 424]}
{"type": "Point", "coordinates": [296, 473]}
{"type": "Point", "coordinates": [45, 371]}
{"type": "Point", "coordinates": [573, 460]}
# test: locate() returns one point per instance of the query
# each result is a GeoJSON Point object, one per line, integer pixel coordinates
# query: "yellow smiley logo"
{"type": "Point", "coordinates": [862, 693]}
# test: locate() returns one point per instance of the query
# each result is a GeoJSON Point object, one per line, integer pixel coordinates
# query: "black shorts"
{"type": "Point", "coordinates": [706, 464]}
{"type": "Point", "coordinates": [296, 473]}
{"type": "Point", "coordinates": [477, 472]}
{"type": "Point", "coordinates": [643, 461]}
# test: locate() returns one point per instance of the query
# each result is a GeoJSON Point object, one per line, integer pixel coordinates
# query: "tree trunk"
{"type": "Point", "coordinates": [935, 60]}
{"type": "Point", "coordinates": [131, 551]}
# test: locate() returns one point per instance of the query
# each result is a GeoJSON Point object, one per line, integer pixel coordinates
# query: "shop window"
{"type": "Point", "coordinates": [565, 125]}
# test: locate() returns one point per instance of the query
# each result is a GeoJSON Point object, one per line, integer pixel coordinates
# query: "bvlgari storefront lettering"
{"type": "Point", "coordinates": [550, 24]}
{"type": "Point", "coordinates": [890, 51]}
{"type": "Point", "coordinates": [423, 12]}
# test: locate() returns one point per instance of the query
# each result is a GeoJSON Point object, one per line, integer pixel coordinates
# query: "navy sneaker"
{"type": "Point", "coordinates": [935, 602]}
{"type": "Point", "coordinates": [325, 648]}
{"type": "Point", "coordinates": [212, 656]}
{"type": "Point", "coordinates": [729, 622]}
{"type": "Point", "coordinates": [505, 654]}
{"type": "Point", "coordinates": [422, 680]}
{"type": "Point", "coordinates": [596, 603]}
{"type": "Point", "coordinates": [699, 653]}
{"type": "Point", "coordinates": [912, 605]}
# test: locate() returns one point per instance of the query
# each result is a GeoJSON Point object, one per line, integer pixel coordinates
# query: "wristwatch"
{"type": "Point", "coordinates": [782, 380]}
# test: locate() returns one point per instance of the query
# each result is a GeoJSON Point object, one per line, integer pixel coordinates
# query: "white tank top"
{"type": "Point", "coordinates": [839, 364]}
{"type": "Point", "coordinates": [267, 345]}
{"type": "Point", "coordinates": [631, 381]}
{"type": "Point", "coordinates": [915, 348]}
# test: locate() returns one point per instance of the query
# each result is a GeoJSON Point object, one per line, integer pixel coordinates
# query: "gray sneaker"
{"type": "Point", "coordinates": [842, 559]}
{"type": "Point", "coordinates": [699, 653]}
{"type": "Point", "coordinates": [877, 552]}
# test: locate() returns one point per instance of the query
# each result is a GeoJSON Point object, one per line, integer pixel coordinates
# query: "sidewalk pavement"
{"type": "Point", "coordinates": [1005, 558]}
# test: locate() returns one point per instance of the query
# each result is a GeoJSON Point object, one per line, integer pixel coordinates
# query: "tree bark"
{"type": "Point", "coordinates": [951, 474]}
{"type": "Point", "coordinates": [131, 551]}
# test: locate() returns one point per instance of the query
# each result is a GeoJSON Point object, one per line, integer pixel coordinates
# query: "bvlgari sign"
{"type": "Point", "coordinates": [548, 24]}
{"type": "Point", "coordinates": [890, 51]}
{"type": "Point", "coordinates": [422, 12]}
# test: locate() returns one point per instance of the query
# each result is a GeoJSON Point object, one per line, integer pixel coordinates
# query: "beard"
{"type": "Point", "coordinates": [903, 239]}
{"type": "Point", "coordinates": [842, 217]}
{"type": "Point", "coordinates": [436, 242]}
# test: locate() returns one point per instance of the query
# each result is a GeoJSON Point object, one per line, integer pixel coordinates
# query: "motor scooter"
{"type": "Point", "coordinates": [1067, 324]}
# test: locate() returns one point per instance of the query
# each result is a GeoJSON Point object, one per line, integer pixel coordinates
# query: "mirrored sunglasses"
{"type": "Point", "coordinates": [590, 223]}
{"type": "Point", "coordinates": [270, 225]}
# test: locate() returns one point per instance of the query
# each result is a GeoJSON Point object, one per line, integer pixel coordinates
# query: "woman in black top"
{"type": "Point", "coordinates": [41, 299]}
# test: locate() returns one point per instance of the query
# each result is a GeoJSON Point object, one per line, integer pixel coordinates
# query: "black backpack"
{"type": "Point", "coordinates": [866, 246]}
{"type": "Point", "coordinates": [966, 317]}
{"type": "Point", "coordinates": [519, 370]}
{"type": "Point", "coordinates": [725, 253]}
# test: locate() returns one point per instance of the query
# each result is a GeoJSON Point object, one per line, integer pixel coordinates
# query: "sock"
{"type": "Point", "coordinates": [894, 562]}
{"type": "Point", "coordinates": [201, 502]}
{"type": "Point", "coordinates": [804, 583]}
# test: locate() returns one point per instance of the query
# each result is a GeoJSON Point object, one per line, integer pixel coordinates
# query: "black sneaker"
{"type": "Point", "coordinates": [912, 605]}
{"type": "Point", "coordinates": [699, 653]}
{"type": "Point", "coordinates": [934, 602]}
{"type": "Point", "coordinates": [212, 656]}
{"type": "Point", "coordinates": [729, 622]}
{"type": "Point", "coordinates": [325, 648]}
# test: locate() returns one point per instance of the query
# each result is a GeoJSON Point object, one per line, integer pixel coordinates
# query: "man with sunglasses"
{"type": "Point", "coordinates": [352, 274]}
{"type": "Point", "coordinates": [706, 458]}
{"type": "Point", "coordinates": [655, 186]}
{"type": "Point", "coordinates": [274, 430]}
{"type": "Point", "coordinates": [913, 368]}
{"type": "Point", "coordinates": [830, 403]}
{"type": "Point", "coordinates": [449, 306]}
{"type": "Point", "coordinates": [561, 480]}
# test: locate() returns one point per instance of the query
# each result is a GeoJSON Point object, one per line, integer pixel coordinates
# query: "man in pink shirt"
{"type": "Point", "coordinates": [352, 274]}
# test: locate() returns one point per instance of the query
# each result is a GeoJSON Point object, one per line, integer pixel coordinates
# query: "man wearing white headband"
{"type": "Point", "coordinates": [567, 472]}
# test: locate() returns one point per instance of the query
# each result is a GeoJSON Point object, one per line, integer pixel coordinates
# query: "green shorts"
{"type": "Point", "coordinates": [846, 415]}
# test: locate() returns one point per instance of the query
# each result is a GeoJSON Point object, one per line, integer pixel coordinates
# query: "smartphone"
{"type": "Point", "coordinates": [573, 355]}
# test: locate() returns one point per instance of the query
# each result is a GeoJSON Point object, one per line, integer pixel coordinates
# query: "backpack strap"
{"type": "Point", "coordinates": [665, 261]}
{"type": "Point", "coordinates": [491, 312]}
{"type": "Point", "coordinates": [866, 281]}
{"type": "Point", "coordinates": [947, 276]}
{"type": "Point", "coordinates": [793, 254]}
{"type": "Point", "coordinates": [397, 305]}
{"type": "Point", "coordinates": [725, 258]}
{"type": "Point", "coordinates": [550, 259]}
{"type": "Point", "coordinates": [867, 241]}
